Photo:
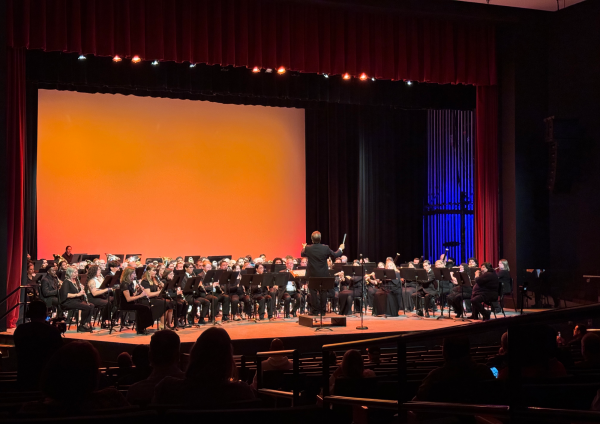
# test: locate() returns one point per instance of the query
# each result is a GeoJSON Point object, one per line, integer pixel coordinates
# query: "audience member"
{"type": "Point", "coordinates": [69, 383]}
{"type": "Point", "coordinates": [164, 359]}
{"type": "Point", "coordinates": [141, 359]}
{"type": "Point", "coordinates": [210, 380]}
{"type": "Point", "coordinates": [459, 370]}
{"type": "Point", "coordinates": [374, 354]}
{"type": "Point", "coordinates": [273, 363]}
{"type": "Point", "coordinates": [35, 342]}
{"type": "Point", "coordinates": [124, 364]}
{"type": "Point", "coordinates": [500, 360]}
{"type": "Point", "coordinates": [579, 331]}
{"type": "Point", "coordinates": [537, 351]}
{"type": "Point", "coordinates": [590, 350]}
{"type": "Point", "coordinates": [352, 368]}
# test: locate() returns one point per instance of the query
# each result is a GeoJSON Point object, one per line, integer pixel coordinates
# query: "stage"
{"type": "Point", "coordinates": [249, 337]}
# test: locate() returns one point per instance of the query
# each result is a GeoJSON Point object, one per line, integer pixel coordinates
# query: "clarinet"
{"type": "Point", "coordinates": [78, 285]}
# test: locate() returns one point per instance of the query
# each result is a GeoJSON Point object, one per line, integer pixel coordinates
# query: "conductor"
{"type": "Point", "coordinates": [317, 255]}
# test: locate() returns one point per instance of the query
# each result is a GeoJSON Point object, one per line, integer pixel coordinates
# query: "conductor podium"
{"type": "Point", "coordinates": [321, 284]}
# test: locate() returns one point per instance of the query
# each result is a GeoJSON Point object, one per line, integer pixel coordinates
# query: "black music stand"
{"type": "Point", "coordinates": [444, 275]}
{"type": "Point", "coordinates": [248, 283]}
{"type": "Point", "coordinates": [462, 278]}
{"type": "Point", "coordinates": [212, 277]}
{"type": "Point", "coordinates": [320, 284]}
{"type": "Point", "coordinates": [410, 274]}
{"type": "Point", "coordinates": [384, 274]}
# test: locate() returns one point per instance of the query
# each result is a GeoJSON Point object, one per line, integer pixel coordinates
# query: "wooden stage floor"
{"type": "Point", "coordinates": [249, 337]}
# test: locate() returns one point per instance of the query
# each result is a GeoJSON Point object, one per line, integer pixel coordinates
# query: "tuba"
{"type": "Point", "coordinates": [58, 259]}
{"type": "Point", "coordinates": [110, 257]}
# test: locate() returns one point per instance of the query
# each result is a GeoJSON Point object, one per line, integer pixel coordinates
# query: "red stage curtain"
{"type": "Point", "coordinates": [15, 132]}
{"type": "Point", "coordinates": [312, 37]}
{"type": "Point", "coordinates": [486, 175]}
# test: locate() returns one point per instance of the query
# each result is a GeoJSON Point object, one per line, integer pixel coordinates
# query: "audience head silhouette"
{"type": "Point", "coordinates": [37, 311]}
{"type": "Point", "coordinates": [211, 358]}
{"type": "Point", "coordinates": [276, 344]}
{"type": "Point", "coordinates": [456, 348]}
{"type": "Point", "coordinates": [164, 348]}
{"type": "Point", "coordinates": [72, 373]}
{"type": "Point", "coordinates": [352, 364]}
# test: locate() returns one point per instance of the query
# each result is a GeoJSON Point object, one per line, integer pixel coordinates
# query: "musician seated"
{"type": "Point", "coordinates": [210, 380]}
{"type": "Point", "coordinates": [484, 290]}
{"type": "Point", "coordinates": [290, 293]}
{"type": "Point", "coordinates": [426, 292]}
{"type": "Point", "coordinates": [215, 295]}
{"type": "Point", "coordinates": [262, 296]}
{"type": "Point", "coordinates": [458, 293]}
{"type": "Point", "coordinates": [49, 286]}
{"type": "Point", "coordinates": [74, 297]}
{"type": "Point", "coordinates": [153, 289]}
{"type": "Point", "coordinates": [193, 296]}
{"type": "Point", "coordinates": [133, 299]}
{"type": "Point", "coordinates": [175, 294]}
{"type": "Point", "coordinates": [237, 294]}
{"type": "Point", "coordinates": [97, 296]}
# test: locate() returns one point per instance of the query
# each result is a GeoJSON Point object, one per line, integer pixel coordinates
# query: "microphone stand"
{"type": "Point", "coordinates": [362, 327]}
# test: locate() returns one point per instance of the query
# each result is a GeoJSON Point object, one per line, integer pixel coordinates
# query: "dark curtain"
{"type": "Point", "coordinates": [63, 71]}
{"type": "Point", "coordinates": [16, 139]}
{"type": "Point", "coordinates": [30, 185]}
{"type": "Point", "coordinates": [309, 37]}
{"type": "Point", "coordinates": [365, 170]}
{"type": "Point", "coordinates": [486, 176]}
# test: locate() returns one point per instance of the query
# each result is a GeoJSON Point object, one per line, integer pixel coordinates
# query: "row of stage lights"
{"type": "Point", "coordinates": [281, 70]}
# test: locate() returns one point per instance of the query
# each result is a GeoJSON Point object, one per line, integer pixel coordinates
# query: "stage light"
{"type": "Point", "coordinates": [256, 69]}
{"type": "Point", "coordinates": [372, 78]}
{"type": "Point", "coordinates": [136, 59]}
{"type": "Point", "coordinates": [363, 77]}
{"type": "Point", "coordinates": [117, 58]}
{"type": "Point", "coordinates": [408, 82]}
{"type": "Point", "coordinates": [281, 70]}
{"type": "Point", "coordinates": [268, 70]}
{"type": "Point", "coordinates": [155, 63]}
{"type": "Point", "coordinates": [192, 65]}
{"type": "Point", "coordinates": [326, 75]}
{"type": "Point", "coordinates": [346, 76]}
{"type": "Point", "coordinates": [81, 57]}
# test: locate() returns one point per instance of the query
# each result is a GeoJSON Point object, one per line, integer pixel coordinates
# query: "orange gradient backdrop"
{"type": "Point", "coordinates": [162, 177]}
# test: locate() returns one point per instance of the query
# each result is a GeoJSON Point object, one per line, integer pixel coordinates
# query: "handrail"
{"type": "Point", "coordinates": [277, 393]}
{"type": "Point", "coordinates": [19, 303]}
{"type": "Point", "coordinates": [11, 293]}
{"type": "Point", "coordinates": [295, 366]}
{"type": "Point", "coordinates": [370, 403]}
{"type": "Point", "coordinates": [456, 408]}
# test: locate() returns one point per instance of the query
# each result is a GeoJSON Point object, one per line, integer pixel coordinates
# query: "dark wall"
{"type": "Point", "coordinates": [574, 93]}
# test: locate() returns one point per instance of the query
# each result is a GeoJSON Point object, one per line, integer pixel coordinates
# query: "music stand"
{"type": "Point", "coordinates": [212, 277]}
{"type": "Point", "coordinates": [279, 267]}
{"type": "Point", "coordinates": [462, 278]}
{"type": "Point", "coordinates": [444, 274]}
{"type": "Point", "coordinates": [186, 259]}
{"type": "Point", "coordinates": [252, 282]}
{"type": "Point", "coordinates": [88, 258]}
{"type": "Point", "coordinates": [249, 271]}
{"type": "Point", "coordinates": [320, 284]}
{"type": "Point", "coordinates": [150, 260]}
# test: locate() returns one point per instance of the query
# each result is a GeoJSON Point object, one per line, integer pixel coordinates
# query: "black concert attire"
{"type": "Point", "coordinates": [79, 303]}
{"type": "Point", "coordinates": [177, 302]}
{"type": "Point", "coordinates": [101, 301]}
{"type": "Point", "coordinates": [49, 290]}
{"type": "Point", "coordinates": [334, 294]}
{"type": "Point", "coordinates": [289, 294]}
{"type": "Point", "coordinates": [196, 298]}
{"type": "Point", "coordinates": [388, 299]}
{"type": "Point", "coordinates": [317, 255]}
{"type": "Point", "coordinates": [141, 306]}
{"type": "Point", "coordinates": [370, 293]}
{"type": "Point", "coordinates": [237, 295]}
{"type": "Point", "coordinates": [68, 257]}
{"type": "Point", "coordinates": [159, 305]}
{"type": "Point", "coordinates": [426, 293]}
{"type": "Point", "coordinates": [215, 296]}
{"type": "Point", "coordinates": [484, 290]}
{"type": "Point", "coordinates": [505, 279]}
{"type": "Point", "coordinates": [262, 297]}
{"type": "Point", "coordinates": [457, 295]}
{"type": "Point", "coordinates": [410, 288]}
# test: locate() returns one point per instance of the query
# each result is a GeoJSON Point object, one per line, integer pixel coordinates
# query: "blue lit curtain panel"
{"type": "Point", "coordinates": [448, 212]}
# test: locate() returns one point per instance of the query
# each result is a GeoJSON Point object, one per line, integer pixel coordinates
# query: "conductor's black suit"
{"type": "Point", "coordinates": [317, 255]}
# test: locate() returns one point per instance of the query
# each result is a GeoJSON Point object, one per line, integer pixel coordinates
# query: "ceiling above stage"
{"type": "Point", "coordinates": [549, 5]}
